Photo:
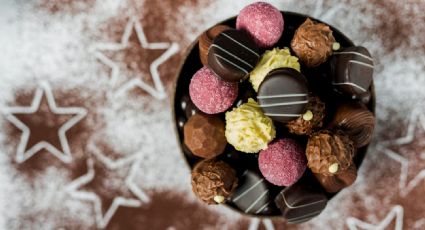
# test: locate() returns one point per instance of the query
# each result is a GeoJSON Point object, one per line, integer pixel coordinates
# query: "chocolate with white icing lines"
{"type": "Point", "coordinates": [301, 202]}
{"type": "Point", "coordinates": [233, 55]}
{"type": "Point", "coordinates": [352, 71]}
{"type": "Point", "coordinates": [253, 195]}
{"type": "Point", "coordinates": [283, 94]}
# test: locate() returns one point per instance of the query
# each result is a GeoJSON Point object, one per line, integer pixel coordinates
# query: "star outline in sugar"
{"type": "Point", "coordinates": [103, 219]}
{"type": "Point", "coordinates": [396, 212]}
{"type": "Point", "coordinates": [44, 90]}
{"type": "Point", "coordinates": [416, 119]}
{"type": "Point", "coordinates": [254, 224]}
{"type": "Point", "coordinates": [158, 90]}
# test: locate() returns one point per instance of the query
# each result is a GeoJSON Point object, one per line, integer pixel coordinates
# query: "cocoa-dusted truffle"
{"type": "Point", "coordinates": [312, 43]}
{"type": "Point", "coordinates": [342, 179]}
{"type": "Point", "coordinates": [213, 181]}
{"type": "Point", "coordinates": [204, 135]}
{"type": "Point", "coordinates": [329, 152]}
{"type": "Point", "coordinates": [312, 119]}
{"type": "Point", "coordinates": [356, 121]}
{"type": "Point", "coordinates": [206, 40]}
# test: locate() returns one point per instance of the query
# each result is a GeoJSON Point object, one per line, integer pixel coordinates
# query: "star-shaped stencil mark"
{"type": "Point", "coordinates": [134, 61]}
{"type": "Point", "coordinates": [254, 224]}
{"type": "Point", "coordinates": [108, 185]}
{"type": "Point", "coordinates": [409, 150]}
{"type": "Point", "coordinates": [397, 213]}
{"type": "Point", "coordinates": [44, 125]}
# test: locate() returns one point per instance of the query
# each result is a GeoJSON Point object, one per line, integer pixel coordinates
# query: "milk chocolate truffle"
{"type": "Point", "coordinates": [213, 181]}
{"type": "Point", "coordinates": [312, 43]}
{"type": "Point", "coordinates": [233, 55]}
{"type": "Point", "coordinates": [206, 39]}
{"type": "Point", "coordinates": [283, 95]}
{"type": "Point", "coordinates": [312, 119]}
{"type": "Point", "coordinates": [329, 152]}
{"type": "Point", "coordinates": [204, 135]}
{"type": "Point", "coordinates": [254, 194]}
{"type": "Point", "coordinates": [334, 183]}
{"type": "Point", "coordinates": [301, 202]}
{"type": "Point", "coordinates": [356, 121]}
{"type": "Point", "coordinates": [352, 71]}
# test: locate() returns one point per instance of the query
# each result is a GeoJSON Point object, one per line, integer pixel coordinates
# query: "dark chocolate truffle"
{"type": "Point", "coordinates": [334, 183]}
{"type": "Point", "coordinates": [283, 95]}
{"type": "Point", "coordinates": [254, 194]}
{"type": "Point", "coordinates": [233, 55]}
{"type": "Point", "coordinates": [213, 181]}
{"type": "Point", "coordinates": [352, 71]}
{"type": "Point", "coordinates": [356, 121]}
{"type": "Point", "coordinates": [204, 135]}
{"type": "Point", "coordinates": [312, 119]}
{"type": "Point", "coordinates": [301, 202]}
{"type": "Point", "coordinates": [206, 39]}
{"type": "Point", "coordinates": [312, 43]}
{"type": "Point", "coordinates": [329, 152]}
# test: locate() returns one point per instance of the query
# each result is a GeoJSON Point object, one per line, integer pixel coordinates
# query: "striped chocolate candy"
{"type": "Point", "coordinates": [254, 195]}
{"type": "Point", "coordinates": [233, 55]}
{"type": "Point", "coordinates": [283, 94]}
{"type": "Point", "coordinates": [352, 71]}
{"type": "Point", "coordinates": [301, 201]}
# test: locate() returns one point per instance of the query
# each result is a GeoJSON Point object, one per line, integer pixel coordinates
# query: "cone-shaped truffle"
{"type": "Point", "coordinates": [329, 152]}
{"type": "Point", "coordinates": [213, 181]}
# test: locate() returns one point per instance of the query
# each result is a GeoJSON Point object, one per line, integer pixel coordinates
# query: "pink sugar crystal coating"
{"type": "Point", "coordinates": [211, 94]}
{"type": "Point", "coordinates": [263, 22]}
{"type": "Point", "coordinates": [283, 162]}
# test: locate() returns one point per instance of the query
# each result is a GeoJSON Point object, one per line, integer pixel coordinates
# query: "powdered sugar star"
{"type": "Point", "coordinates": [158, 90]}
{"type": "Point", "coordinates": [255, 224]}
{"type": "Point", "coordinates": [22, 154]}
{"type": "Point", "coordinates": [396, 212]}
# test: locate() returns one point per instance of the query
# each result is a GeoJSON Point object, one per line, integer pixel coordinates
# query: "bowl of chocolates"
{"type": "Point", "coordinates": [274, 112]}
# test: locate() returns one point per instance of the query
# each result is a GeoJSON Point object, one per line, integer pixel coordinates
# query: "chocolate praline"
{"type": "Point", "coordinates": [334, 183]}
{"type": "Point", "coordinates": [311, 120]}
{"type": "Point", "coordinates": [206, 39]}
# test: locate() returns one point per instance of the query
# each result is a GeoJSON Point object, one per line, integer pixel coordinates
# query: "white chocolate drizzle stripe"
{"type": "Point", "coordinates": [361, 63]}
{"type": "Point", "coordinates": [256, 201]}
{"type": "Point", "coordinates": [350, 83]}
{"type": "Point", "coordinates": [248, 190]}
{"type": "Point", "coordinates": [299, 206]}
{"type": "Point", "coordinates": [355, 53]}
{"type": "Point", "coordinates": [282, 115]}
{"type": "Point", "coordinates": [232, 55]}
{"type": "Point", "coordinates": [223, 58]}
{"type": "Point", "coordinates": [252, 51]}
{"type": "Point", "coordinates": [282, 96]}
{"type": "Point", "coordinates": [283, 104]}
{"type": "Point", "coordinates": [262, 208]}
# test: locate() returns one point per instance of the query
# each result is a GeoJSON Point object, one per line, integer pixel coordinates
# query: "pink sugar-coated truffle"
{"type": "Point", "coordinates": [211, 94]}
{"type": "Point", "coordinates": [263, 22]}
{"type": "Point", "coordinates": [283, 162]}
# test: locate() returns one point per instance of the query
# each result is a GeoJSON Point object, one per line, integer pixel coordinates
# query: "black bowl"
{"type": "Point", "coordinates": [182, 107]}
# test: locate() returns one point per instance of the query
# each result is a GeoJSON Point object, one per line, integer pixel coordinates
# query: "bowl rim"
{"type": "Point", "coordinates": [188, 50]}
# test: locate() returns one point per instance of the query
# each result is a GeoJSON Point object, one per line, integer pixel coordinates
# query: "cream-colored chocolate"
{"type": "Point", "coordinates": [312, 43]}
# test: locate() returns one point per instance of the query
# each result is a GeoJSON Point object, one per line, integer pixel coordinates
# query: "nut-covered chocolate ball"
{"type": "Point", "coordinates": [329, 152]}
{"type": "Point", "coordinates": [204, 135]}
{"type": "Point", "coordinates": [213, 181]}
{"type": "Point", "coordinates": [356, 121]}
{"type": "Point", "coordinates": [312, 43]}
{"type": "Point", "coordinates": [312, 118]}
{"type": "Point", "coordinates": [206, 39]}
{"type": "Point", "coordinates": [342, 179]}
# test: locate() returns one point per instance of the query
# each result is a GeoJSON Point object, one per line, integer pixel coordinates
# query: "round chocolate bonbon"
{"type": "Point", "coordinates": [352, 71]}
{"type": "Point", "coordinates": [233, 55]}
{"type": "Point", "coordinates": [206, 39]}
{"type": "Point", "coordinates": [283, 95]}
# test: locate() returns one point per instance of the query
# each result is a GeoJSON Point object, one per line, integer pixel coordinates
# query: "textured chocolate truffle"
{"type": "Point", "coordinates": [356, 121]}
{"type": "Point", "coordinates": [334, 183]}
{"type": "Point", "coordinates": [213, 181]}
{"type": "Point", "coordinates": [352, 72]}
{"type": "Point", "coordinates": [206, 39]}
{"type": "Point", "coordinates": [204, 135]}
{"type": "Point", "coordinates": [311, 120]}
{"type": "Point", "coordinates": [312, 43]}
{"type": "Point", "coordinates": [301, 202]}
{"type": "Point", "coordinates": [329, 152]}
{"type": "Point", "coordinates": [283, 95]}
